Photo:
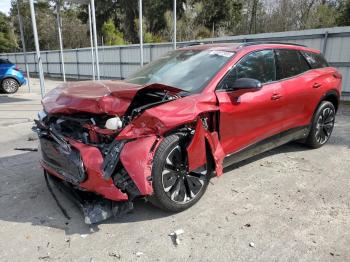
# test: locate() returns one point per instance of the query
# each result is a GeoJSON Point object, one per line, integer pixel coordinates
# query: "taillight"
{"type": "Point", "coordinates": [17, 68]}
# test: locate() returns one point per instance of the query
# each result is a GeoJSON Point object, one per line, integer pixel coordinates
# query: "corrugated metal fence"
{"type": "Point", "coordinates": [121, 61]}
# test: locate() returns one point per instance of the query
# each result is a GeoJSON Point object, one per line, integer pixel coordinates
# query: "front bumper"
{"type": "Point", "coordinates": [65, 161]}
{"type": "Point", "coordinates": [85, 166]}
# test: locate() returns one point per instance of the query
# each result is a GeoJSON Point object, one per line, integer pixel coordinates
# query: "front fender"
{"type": "Point", "coordinates": [196, 150]}
{"type": "Point", "coordinates": [166, 117]}
{"type": "Point", "coordinates": [157, 121]}
{"type": "Point", "coordinates": [136, 158]}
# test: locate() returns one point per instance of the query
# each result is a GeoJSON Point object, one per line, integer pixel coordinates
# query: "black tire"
{"type": "Point", "coordinates": [9, 85]}
{"type": "Point", "coordinates": [322, 125]}
{"type": "Point", "coordinates": [190, 187]}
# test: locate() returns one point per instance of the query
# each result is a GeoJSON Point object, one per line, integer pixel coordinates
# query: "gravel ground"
{"type": "Point", "coordinates": [289, 204]}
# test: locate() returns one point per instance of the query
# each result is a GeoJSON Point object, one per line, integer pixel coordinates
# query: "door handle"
{"type": "Point", "coordinates": [316, 85]}
{"type": "Point", "coordinates": [275, 96]}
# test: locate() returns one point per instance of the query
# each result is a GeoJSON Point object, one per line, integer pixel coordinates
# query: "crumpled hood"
{"type": "Point", "coordinates": [97, 97]}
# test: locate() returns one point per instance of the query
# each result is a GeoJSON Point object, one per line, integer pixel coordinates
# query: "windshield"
{"type": "Point", "coordinates": [189, 70]}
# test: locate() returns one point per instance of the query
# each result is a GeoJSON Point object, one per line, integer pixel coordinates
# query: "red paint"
{"type": "Point", "coordinates": [217, 151]}
{"type": "Point", "coordinates": [111, 97]}
{"type": "Point", "coordinates": [160, 119]}
{"type": "Point", "coordinates": [98, 97]}
{"type": "Point", "coordinates": [92, 159]}
{"type": "Point", "coordinates": [196, 149]}
{"type": "Point", "coordinates": [250, 117]}
{"type": "Point", "coordinates": [302, 98]}
{"type": "Point", "coordinates": [244, 118]}
{"type": "Point", "coordinates": [136, 158]}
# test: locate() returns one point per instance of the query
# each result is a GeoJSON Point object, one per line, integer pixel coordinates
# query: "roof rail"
{"type": "Point", "coordinates": [192, 44]}
{"type": "Point", "coordinates": [268, 42]}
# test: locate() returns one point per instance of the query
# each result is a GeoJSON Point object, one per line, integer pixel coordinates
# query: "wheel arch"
{"type": "Point", "coordinates": [187, 138]}
{"type": "Point", "coordinates": [312, 140]}
{"type": "Point", "coordinates": [11, 77]}
{"type": "Point", "coordinates": [331, 96]}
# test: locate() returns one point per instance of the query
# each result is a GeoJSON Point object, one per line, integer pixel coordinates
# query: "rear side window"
{"type": "Point", "coordinates": [259, 65]}
{"type": "Point", "coordinates": [290, 63]}
{"type": "Point", "coordinates": [315, 60]}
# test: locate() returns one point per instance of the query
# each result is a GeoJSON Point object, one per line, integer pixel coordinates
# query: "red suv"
{"type": "Point", "coordinates": [164, 131]}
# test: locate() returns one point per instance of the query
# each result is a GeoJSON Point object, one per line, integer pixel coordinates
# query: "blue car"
{"type": "Point", "coordinates": [11, 77]}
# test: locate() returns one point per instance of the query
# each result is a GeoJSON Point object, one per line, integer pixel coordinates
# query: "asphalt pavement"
{"type": "Point", "coordinates": [289, 204]}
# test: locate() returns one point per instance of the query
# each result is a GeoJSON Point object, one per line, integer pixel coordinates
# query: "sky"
{"type": "Point", "coordinates": [5, 6]}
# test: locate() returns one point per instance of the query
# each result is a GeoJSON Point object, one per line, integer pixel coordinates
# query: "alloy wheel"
{"type": "Point", "coordinates": [180, 185]}
{"type": "Point", "coordinates": [325, 124]}
{"type": "Point", "coordinates": [9, 85]}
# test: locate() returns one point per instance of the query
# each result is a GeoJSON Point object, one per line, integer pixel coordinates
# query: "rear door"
{"type": "Point", "coordinates": [325, 78]}
{"type": "Point", "coordinates": [300, 85]}
{"type": "Point", "coordinates": [252, 116]}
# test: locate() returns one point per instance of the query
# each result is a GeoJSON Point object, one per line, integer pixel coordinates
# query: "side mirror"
{"type": "Point", "coordinates": [246, 83]}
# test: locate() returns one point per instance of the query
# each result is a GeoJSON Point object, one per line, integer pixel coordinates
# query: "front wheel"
{"type": "Point", "coordinates": [175, 188]}
{"type": "Point", "coordinates": [322, 125]}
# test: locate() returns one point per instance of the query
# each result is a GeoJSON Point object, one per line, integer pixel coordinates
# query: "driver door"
{"type": "Point", "coordinates": [246, 116]}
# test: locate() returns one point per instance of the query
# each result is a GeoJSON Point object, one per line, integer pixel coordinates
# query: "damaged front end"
{"type": "Point", "coordinates": [83, 148]}
{"type": "Point", "coordinates": [79, 151]}
{"type": "Point", "coordinates": [103, 142]}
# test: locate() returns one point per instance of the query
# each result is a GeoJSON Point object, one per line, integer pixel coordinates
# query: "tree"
{"type": "Point", "coordinates": [116, 20]}
{"type": "Point", "coordinates": [111, 35]}
{"type": "Point", "coordinates": [221, 13]}
{"type": "Point", "coordinates": [8, 41]}
{"type": "Point", "coordinates": [148, 37]}
{"type": "Point", "coordinates": [74, 31]}
{"type": "Point", "coordinates": [344, 14]}
{"type": "Point", "coordinates": [154, 11]}
{"type": "Point", "coordinates": [323, 15]}
{"type": "Point", "coordinates": [189, 22]}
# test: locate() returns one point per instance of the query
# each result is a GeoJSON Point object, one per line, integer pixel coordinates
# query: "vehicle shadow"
{"type": "Point", "coordinates": [9, 99]}
{"type": "Point", "coordinates": [25, 198]}
{"type": "Point", "coordinates": [290, 147]}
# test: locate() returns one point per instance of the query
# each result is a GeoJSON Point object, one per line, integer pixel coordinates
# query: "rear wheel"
{"type": "Point", "coordinates": [322, 125]}
{"type": "Point", "coordinates": [9, 85]}
{"type": "Point", "coordinates": [175, 188]}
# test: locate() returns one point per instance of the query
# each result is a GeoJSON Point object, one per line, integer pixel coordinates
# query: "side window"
{"type": "Point", "coordinates": [259, 65]}
{"type": "Point", "coordinates": [315, 60]}
{"type": "Point", "coordinates": [290, 63]}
